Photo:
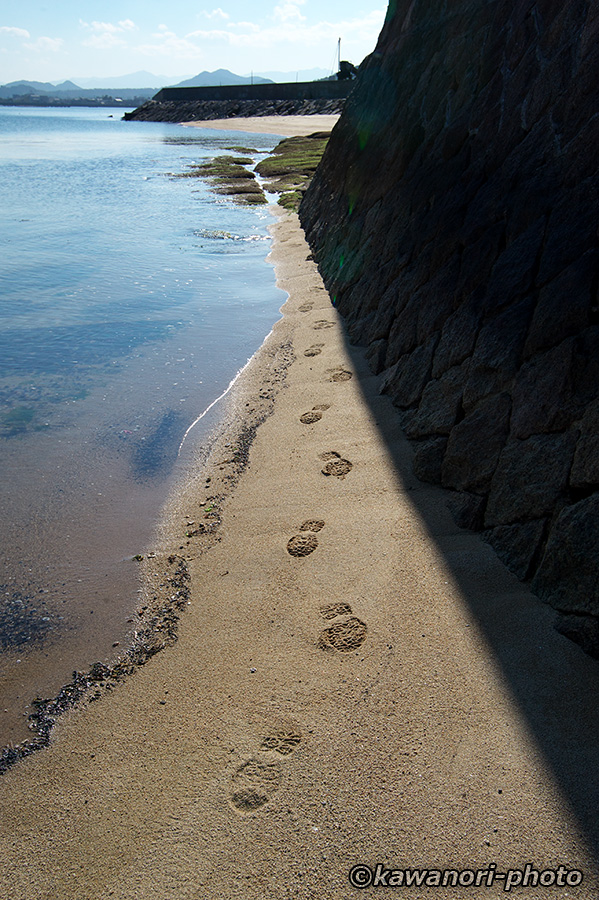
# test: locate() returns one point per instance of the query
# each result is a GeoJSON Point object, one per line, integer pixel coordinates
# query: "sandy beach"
{"type": "Point", "coordinates": [356, 681]}
{"type": "Point", "coordinates": [288, 126]}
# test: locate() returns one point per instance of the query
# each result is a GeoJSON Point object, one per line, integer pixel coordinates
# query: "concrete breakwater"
{"type": "Point", "coordinates": [200, 110]}
{"type": "Point", "coordinates": [243, 100]}
{"type": "Point", "coordinates": [453, 218]}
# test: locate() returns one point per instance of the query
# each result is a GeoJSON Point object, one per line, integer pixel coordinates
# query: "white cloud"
{"type": "Point", "coordinates": [286, 32]}
{"type": "Point", "coordinates": [249, 27]}
{"type": "Point", "coordinates": [290, 27]}
{"type": "Point", "coordinates": [106, 35]}
{"type": "Point", "coordinates": [169, 45]}
{"type": "Point", "coordinates": [104, 41]}
{"type": "Point", "coordinates": [215, 14]}
{"type": "Point", "coordinates": [110, 27]}
{"type": "Point", "coordinates": [44, 44]}
{"type": "Point", "coordinates": [288, 11]}
{"type": "Point", "coordinates": [99, 27]}
{"type": "Point", "coordinates": [14, 32]}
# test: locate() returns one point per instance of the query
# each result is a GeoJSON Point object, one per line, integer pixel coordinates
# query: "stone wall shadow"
{"type": "Point", "coordinates": [553, 682]}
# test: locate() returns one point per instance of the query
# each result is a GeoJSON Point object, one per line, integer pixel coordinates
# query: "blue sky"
{"type": "Point", "coordinates": [48, 40]}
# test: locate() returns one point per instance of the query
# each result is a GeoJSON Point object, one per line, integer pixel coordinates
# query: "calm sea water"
{"type": "Point", "coordinates": [129, 299]}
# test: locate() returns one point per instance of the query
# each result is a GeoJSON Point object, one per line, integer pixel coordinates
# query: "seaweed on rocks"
{"type": "Point", "coordinates": [228, 175]}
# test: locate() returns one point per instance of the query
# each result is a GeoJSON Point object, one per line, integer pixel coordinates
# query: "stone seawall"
{"type": "Point", "coordinates": [200, 110]}
{"type": "Point", "coordinates": [454, 219]}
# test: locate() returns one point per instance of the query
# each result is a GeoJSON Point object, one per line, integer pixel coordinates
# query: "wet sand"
{"type": "Point", "coordinates": [340, 691]}
{"type": "Point", "coordinates": [287, 126]}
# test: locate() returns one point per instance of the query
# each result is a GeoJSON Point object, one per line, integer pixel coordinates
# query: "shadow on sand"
{"type": "Point", "coordinates": [553, 682]}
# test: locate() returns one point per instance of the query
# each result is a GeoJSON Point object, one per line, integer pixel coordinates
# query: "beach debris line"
{"type": "Point", "coordinates": [210, 512]}
{"type": "Point", "coordinates": [157, 629]}
{"type": "Point", "coordinates": [157, 622]}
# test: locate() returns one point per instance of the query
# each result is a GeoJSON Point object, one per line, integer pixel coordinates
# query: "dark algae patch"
{"type": "Point", "coordinates": [16, 420]}
{"type": "Point", "coordinates": [23, 620]}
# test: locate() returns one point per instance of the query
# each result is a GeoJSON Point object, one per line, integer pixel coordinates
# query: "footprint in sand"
{"type": "Point", "coordinates": [306, 307]}
{"type": "Point", "coordinates": [322, 323]}
{"type": "Point", "coordinates": [336, 465]}
{"type": "Point", "coordinates": [254, 783]}
{"type": "Point", "coordinates": [339, 374]}
{"type": "Point", "coordinates": [312, 525]}
{"type": "Point", "coordinates": [257, 780]}
{"type": "Point", "coordinates": [314, 414]}
{"type": "Point", "coordinates": [302, 544]}
{"type": "Point", "coordinates": [347, 634]}
{"type": "Point", "coordinates": [309, 418]}
{"type": "Point", "coordinates": [305, 543]}
{"type": "Point", "coordinates": [281, 740]}
{"type": "Point", "coordinates": [332, 610]}
{"type": "Point", "coordinates": [314, 350]}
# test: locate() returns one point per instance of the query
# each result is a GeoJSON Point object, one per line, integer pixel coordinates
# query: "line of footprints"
{"type": "Point", "coordinates": [347, 632]}
{"type": "Point", "coordinates": [258, 779]}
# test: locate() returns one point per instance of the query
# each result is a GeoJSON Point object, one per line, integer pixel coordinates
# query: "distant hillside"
{"type": "Point", "coordinates": [21, 92]}
{"type": "Point", "coordinates": [221, 77]}
{"type": "Point", "coordinates": [14, 88]}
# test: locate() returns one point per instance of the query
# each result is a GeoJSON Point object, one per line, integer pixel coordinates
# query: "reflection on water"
{"type": "Point", "coordinates": [128, 301]}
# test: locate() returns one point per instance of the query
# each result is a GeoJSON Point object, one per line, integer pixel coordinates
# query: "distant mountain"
{"type": "Point", "coordinates": [67, 91]}
{"type": "Point", "coordinates": [301, 75]}
{"type": "Point", "coordinates": [144, 84]}
{"type": "Point", "coordinates": [65, 86]}
{"type": "Point", "coordinates": [220, 77]}
{"type": "Point", "coordinates": [15, 88]}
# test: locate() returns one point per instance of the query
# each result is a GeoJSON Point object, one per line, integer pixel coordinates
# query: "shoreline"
{"type": "Point", "coordinates": [161, 606]}
{"type": "Point", "coordinates": [329, 685]}
{"type": "Point", "coordinates": [286, 126]}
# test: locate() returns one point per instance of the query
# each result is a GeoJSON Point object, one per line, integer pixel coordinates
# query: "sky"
{"type": "Point", "coordinates": [52, 40]}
